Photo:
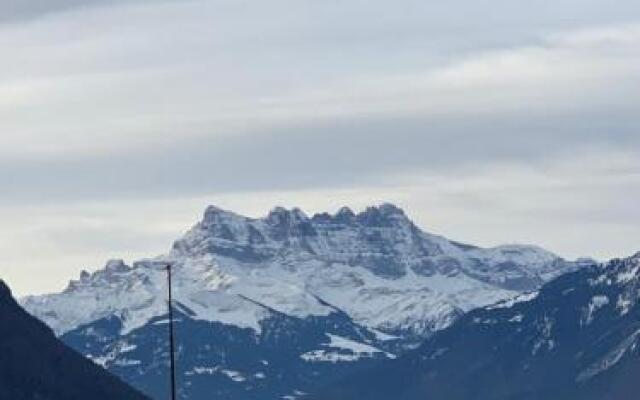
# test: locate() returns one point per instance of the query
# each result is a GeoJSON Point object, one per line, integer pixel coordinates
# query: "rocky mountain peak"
{"type": "Point", "coordinates": [382, 216]}
{"type": "Point", "coordinates": [84, 276]}
{"type": "Point", "coordinates": [390, 209]}
{"type": "Point", "coordinates": [115, 265]}
{"type": "Point", "coordinates": [214, 214]}
{"type": "Point", "coordinates": [380, 238]}
{"type": "Point", "coordinates": [283, 216]}
{"type": "Point", "coordinates": [344, 214]}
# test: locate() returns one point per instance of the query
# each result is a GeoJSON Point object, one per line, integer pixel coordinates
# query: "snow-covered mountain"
{"type": "Point", "coordinates": [577, 338]}
{"type": "Point", "coordinates": [359, 286]}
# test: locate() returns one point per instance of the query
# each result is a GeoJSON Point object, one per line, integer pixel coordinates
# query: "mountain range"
{"type": "Point", "coordinates": [280, 306]}
{"type": "Point", "coordinates": [578, 338]}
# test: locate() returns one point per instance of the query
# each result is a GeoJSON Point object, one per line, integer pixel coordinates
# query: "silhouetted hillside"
{"type": "Point", "coordinates": [34, 365]}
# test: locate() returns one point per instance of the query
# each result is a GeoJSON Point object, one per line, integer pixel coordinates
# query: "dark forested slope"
{"type": "Point", "coordinates": [34, 365]}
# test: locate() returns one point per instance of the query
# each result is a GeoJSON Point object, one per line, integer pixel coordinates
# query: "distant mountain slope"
{"type": "Point", "coordinates": [577, 339]}
{"type": "Point", "coordinates": [290, 356]}
{"type": "Point", "coordinates": [285, 303]}
{"type": "Point", "coordinates": [34, 365]}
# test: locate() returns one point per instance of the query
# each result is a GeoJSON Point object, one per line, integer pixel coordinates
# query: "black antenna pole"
{"type": "Point", "coordinates": [171, 343]}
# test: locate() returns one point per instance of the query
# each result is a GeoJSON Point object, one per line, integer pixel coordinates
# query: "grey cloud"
{"type": "Point", "coordinates": [20, 10]}
{"type": "Point", "coordinates": [332, 154]}
{"type": "Point", "coordinates": [128, 77]}
{"type": "Point", "coordinates": [453, 13]}
{"type": "Point", "coordinates": [79, 238]}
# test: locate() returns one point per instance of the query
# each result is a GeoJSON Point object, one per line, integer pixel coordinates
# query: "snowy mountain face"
{"type": "Point", "coordinates": [577, 338]}
{"type": "Point", "coordinates": [317, 295]}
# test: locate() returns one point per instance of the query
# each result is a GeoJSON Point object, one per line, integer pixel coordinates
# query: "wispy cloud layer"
{"type": "Point", "coordinates": [135, 75]}
{"type": "Point", "coordinates": [510, 112]}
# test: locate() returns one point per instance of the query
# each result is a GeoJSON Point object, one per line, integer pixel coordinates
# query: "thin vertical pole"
{"type": "Point", "coordinates": [171, 342]}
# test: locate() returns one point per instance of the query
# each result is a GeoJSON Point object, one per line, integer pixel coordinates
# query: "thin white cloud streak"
{"type": "Point", "coordinates": [570, 72]}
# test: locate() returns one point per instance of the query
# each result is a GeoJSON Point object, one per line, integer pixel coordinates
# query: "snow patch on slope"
{"type": "Point", "coordinates": [341, 349]}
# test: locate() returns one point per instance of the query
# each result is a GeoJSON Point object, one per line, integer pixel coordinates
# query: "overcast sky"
{"type": "Point", "coordinates": [489, 121]}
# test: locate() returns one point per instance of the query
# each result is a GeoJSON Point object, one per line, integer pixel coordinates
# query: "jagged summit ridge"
{"type": "Point", "coordinates": [343, 214]}
{"type": "Point", "coordinates": [383, 238]}
{"type": "Point", "coordinates": [377, 266]}
{"type": "Point", "coordinates": [279, 216]}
